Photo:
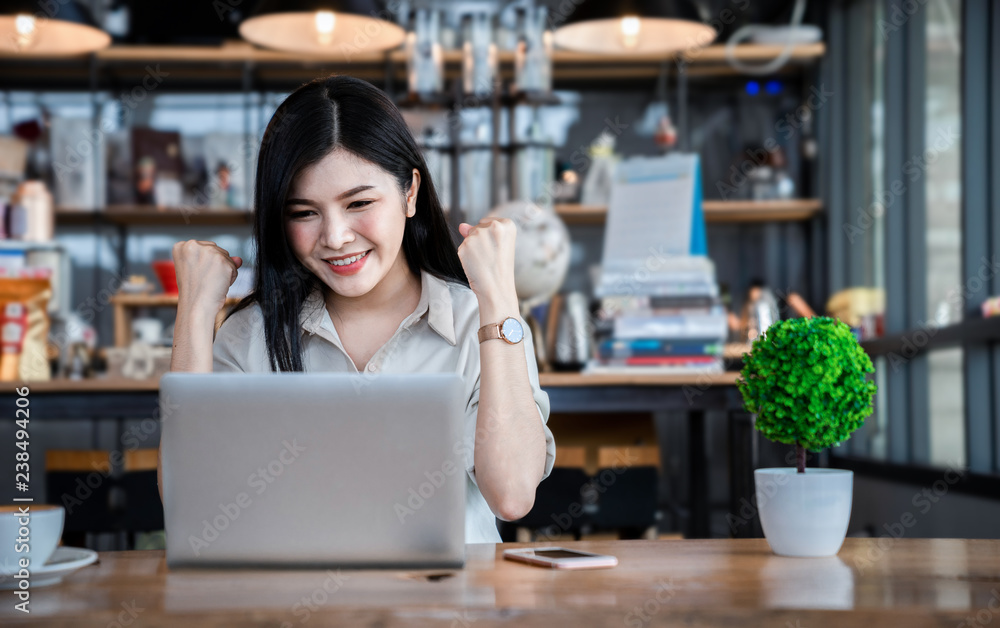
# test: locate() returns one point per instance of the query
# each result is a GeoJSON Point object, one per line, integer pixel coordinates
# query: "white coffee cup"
{"type": "Point", "coordinates": [31, 535]}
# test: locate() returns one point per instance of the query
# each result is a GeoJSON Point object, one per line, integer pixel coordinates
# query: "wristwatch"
{"type": "Point", "coordinates": [509, 330]}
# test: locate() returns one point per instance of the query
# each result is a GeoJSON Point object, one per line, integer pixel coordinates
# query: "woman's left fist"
{"type": "Point", "coordinates": [487, 255]}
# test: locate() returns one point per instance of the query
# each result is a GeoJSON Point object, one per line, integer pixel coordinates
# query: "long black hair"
{"type": "Point", "coordinates": [327, 114]}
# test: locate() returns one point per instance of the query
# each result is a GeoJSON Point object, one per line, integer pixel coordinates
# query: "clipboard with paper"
{"type": "Point", "coordinates": [655, 228]}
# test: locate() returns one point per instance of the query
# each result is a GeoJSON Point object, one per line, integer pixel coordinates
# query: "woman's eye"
{"type": "Point", "coordinates": [359, 204]}
{"type": "Point", "coordinates": [300, 214]}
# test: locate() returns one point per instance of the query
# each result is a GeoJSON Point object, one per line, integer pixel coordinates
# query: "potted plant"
{"type": "Point", "coordinates": [806, 380]}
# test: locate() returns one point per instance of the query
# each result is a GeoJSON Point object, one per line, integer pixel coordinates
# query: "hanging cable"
{"type": "Point", "coordinates": [744, 32]}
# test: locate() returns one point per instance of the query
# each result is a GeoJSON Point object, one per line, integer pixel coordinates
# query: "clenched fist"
{"type": "Point", "coordinates": [487, 255]}
{"type": "Point", "coordinates": [205, 271]}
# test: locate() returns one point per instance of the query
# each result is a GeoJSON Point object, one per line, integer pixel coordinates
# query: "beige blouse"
{"type": "Point", "coordinates": [440, 335]}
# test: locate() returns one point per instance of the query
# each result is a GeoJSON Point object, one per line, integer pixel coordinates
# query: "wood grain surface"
{"type": "Point", "coordinates": [872, 582]}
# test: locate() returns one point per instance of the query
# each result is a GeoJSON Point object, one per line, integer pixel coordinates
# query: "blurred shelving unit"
{"type": "Point", "coordinates": [125, 305]}
{"type": "Point", "coordinates": [241, 68]}
{"type": "Point", "coordinates": [725, 212]}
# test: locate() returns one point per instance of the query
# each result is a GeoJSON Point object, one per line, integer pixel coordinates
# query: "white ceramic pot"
{"type": "Point", "coordinates": [804, 514]}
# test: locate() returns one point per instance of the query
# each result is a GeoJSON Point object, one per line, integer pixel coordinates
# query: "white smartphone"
{"type": "Point", "coordinates": [560, 558]}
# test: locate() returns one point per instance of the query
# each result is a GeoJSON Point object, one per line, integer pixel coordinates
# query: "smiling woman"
{"type": "Point", "coordinates": [357, 272]}
{"type": "Point", "coordinates": [351, 242]}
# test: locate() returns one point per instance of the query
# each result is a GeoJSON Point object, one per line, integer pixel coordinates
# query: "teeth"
{"type": "Point", "coordinates": [349, 260]}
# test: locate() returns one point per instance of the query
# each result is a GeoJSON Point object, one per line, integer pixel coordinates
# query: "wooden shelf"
{"type": "Point", "coordinates": [553, 380]}
{"type": "Point", "coordinates": [762, 211]}
{"type": "Point", "coordinates": [152, 300]}
{"type": "Point", "coordinates": [90, 385]}
{"type": "Point", "coordinates": [227, 62]}
{"type": "Point", "coordinates": [711, 60]}
{"type": "Point", "coordinates": [149, 215]}
{"type": "Point", "coordinates": [238, 51]}
{"type": "Point", "coordinates": [573, 214]}
{"type": "Point", "coordinates": [715, 211]}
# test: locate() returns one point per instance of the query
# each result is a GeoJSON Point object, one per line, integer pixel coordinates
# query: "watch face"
{"type": "Point", "coordinates": [512, 330]}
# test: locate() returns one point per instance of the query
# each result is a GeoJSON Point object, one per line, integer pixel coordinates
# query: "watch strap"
{"type": "Point", "coordinates": [489, 332]}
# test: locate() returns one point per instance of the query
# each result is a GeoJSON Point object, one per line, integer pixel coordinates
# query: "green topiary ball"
{"type": "Point", "coordinates": [805, 379]}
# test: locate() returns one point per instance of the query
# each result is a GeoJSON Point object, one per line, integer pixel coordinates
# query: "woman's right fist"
{"type": "Point", "coordinates": [204, 273]}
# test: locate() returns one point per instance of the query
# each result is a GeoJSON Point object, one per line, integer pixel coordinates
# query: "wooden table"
{"type": "Point", "coordinates": [872, 582]}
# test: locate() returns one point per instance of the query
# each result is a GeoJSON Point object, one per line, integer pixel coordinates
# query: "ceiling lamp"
{"type": "Point", "coordinates": [630, 26]}
{"type": "Point", "coordinates": [322, 27]}
{"type": "Point", "coordinates": [61, 28]}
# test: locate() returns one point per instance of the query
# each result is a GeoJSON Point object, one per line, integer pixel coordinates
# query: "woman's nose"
{"type": "Point", "coordinates": [337, 231]}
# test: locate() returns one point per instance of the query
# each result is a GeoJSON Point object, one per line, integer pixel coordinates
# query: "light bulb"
{"type": "Point", "coordinates": [630, 32]}
{"type": "Point", "coordinates": [324, 27]}
{"type": "Point", "coordinates": [26, 30]}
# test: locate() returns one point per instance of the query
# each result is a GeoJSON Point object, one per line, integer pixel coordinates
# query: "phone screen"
{"type": "Point", "coordinates": [560, 554]}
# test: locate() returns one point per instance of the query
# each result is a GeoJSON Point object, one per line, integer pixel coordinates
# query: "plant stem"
{"type": "Point", "coordinates": [800, 457]}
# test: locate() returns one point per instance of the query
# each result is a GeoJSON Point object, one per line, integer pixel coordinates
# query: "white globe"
{"type": "Point", "coordinates": [541, 255]}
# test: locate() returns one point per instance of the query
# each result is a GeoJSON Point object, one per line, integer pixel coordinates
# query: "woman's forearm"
{"type": "Point", "coordinates": [194, 332]}
{"type": "Point", "coordinates": [510, 439]}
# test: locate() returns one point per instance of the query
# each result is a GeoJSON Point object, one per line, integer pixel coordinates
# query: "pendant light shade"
{"type": "Point", "coordinates": [322, 27]}
{"type": "Point", "coordinates": [61, 28]}
{"type": "Point", "coordinates": [630, 26]}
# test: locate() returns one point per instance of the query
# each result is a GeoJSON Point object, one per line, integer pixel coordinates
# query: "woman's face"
{"type": "Point", "coordinates": [344, 206]}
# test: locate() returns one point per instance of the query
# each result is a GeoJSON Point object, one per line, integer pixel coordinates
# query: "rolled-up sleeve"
{"type": "Point", "coordinates": [238, 343]}
{"type": "Point", "coordinates": [541, 402]}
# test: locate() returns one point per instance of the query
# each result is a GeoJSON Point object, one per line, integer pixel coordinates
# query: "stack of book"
{"type": "Point", "coordinates": [671, 322]}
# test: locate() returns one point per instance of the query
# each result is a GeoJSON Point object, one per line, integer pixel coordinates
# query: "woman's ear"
{"type": "Point", "coordinates": [411, 194]}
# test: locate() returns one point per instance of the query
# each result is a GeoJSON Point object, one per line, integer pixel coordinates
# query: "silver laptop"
{"type": "Point", "coordinates": [313, 470]}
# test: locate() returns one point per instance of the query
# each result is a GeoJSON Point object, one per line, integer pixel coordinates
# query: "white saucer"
{"type": "Point", "coordinates": [64, 561]}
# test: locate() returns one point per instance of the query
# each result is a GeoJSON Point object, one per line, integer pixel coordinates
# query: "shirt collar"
{"type": "Point", "coordinates": [435, 300]}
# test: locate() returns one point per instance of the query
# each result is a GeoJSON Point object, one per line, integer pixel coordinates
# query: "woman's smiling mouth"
{"type": "Point", "coordinates": [348, 265]}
